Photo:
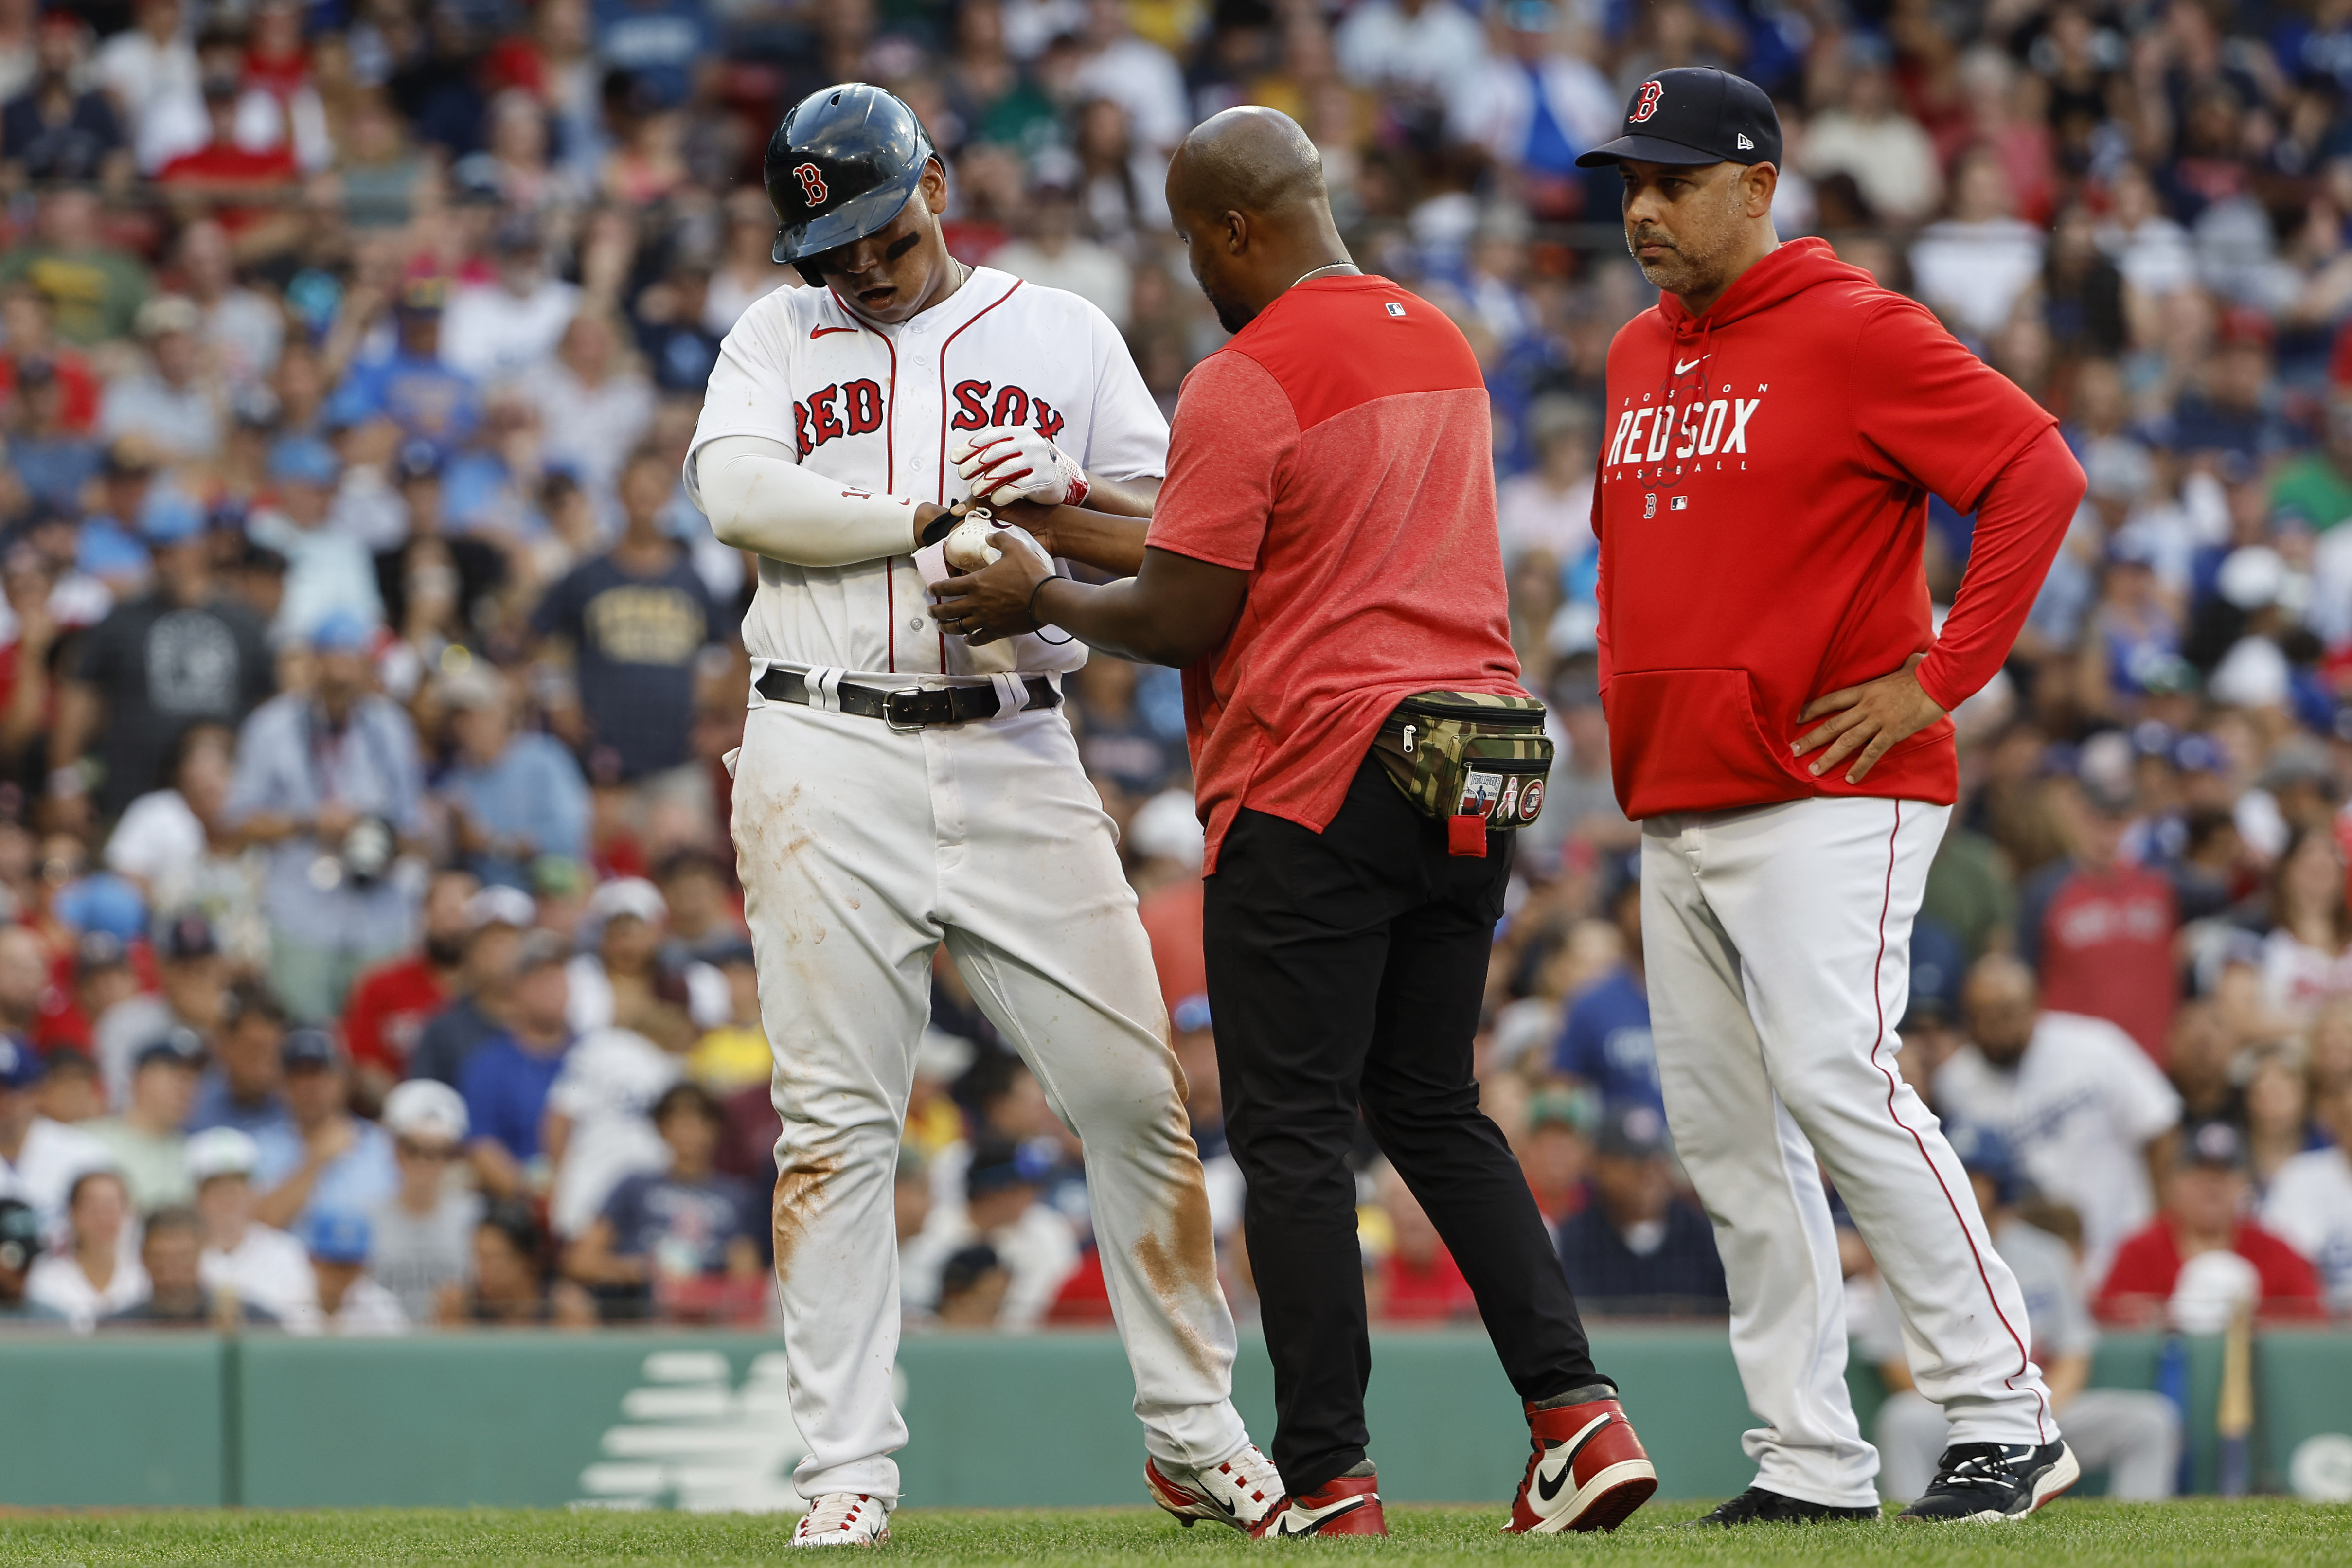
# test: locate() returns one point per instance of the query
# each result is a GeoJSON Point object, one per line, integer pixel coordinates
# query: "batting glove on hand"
{"type": "Point", "coordinates": [1006, 463]}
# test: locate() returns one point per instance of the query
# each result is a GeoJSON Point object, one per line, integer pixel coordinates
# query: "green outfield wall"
{"type": "Point", "coordinates": [630, 1420]}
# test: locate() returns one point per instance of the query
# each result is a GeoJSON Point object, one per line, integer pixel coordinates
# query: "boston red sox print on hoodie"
{"type": "Point", "coordinates": [1762, 507]}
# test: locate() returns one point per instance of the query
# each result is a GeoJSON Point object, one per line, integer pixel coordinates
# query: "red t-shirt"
{"type": "Point", "coordinates": [2147, 1265]}
{"type": "Point", "coordinates": [1762, 506]}
{"type": "Point", "coordinates": [389, 1008]}
{"type": "Point", "coordinates": [2104, 948]}
{"type": "Point", "coordinates": [1425, 1293]}
{"type": "Point", "coordinates": [1172, 918]}
{"type": "Point", "coordinates": [1337, 450]}
{"type": "Point", "coordinates": [214, 165]}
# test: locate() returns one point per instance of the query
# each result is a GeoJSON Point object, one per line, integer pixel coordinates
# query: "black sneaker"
{"type": "Point", "coordinates": [1757, 1506]}
{"type": "Point", "coordinates": [1992, 1483]}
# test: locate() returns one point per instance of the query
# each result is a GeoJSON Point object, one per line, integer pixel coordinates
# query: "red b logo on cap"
{"type": "Point", "coordinates": [1646, 104]}
{"type": "Point", "coordinates": [812, 182]}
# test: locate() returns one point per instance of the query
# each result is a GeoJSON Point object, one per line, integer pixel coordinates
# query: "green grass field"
{"type": "Point", "coordinates": [2077, 1534]}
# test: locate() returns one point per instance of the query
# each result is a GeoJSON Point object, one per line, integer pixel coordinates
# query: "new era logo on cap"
{"type": "Point", "coordinates": [1746, 146]}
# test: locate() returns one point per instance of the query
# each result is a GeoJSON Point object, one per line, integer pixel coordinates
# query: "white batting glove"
{"type": "Point", "coordinates": [1007, 463]}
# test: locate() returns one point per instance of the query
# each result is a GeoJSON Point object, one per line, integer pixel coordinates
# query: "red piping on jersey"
{"type": "Point", "coordinates": [2023, 1359]}
{"type": "Point", "coordinates": [890, 475]}
{"type": "Point", "coordinates": [939, 496]}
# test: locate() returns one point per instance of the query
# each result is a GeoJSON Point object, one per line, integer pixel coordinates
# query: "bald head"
{"type": "Point", "coordinates": [1246, 193]}
{"type": "Point", "coordinates": [1251, 160]}
{"type": "Point", "coordinates": [2002, 1000]}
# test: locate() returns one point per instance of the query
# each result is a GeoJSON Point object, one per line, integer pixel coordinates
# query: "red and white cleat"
{"type": "Point", "coordinates": [1240, 1492]}
{"type": "Point", "coordinates": [843, 1518]}
{"type": "Point", "coordinates": [1344, 1505]}
{"type": "Point", "coordinates": [1587, 1472]}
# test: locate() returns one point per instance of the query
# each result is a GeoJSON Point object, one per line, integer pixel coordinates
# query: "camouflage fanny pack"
{"type": "Point", "coordinates": [1475, 761]}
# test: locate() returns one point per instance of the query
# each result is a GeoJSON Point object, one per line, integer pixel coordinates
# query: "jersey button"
{"type": "Point", "coordinates": [914, 623]}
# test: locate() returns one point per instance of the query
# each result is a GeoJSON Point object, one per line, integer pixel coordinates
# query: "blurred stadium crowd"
{"type": "Point", "coordinates": [375, 958]}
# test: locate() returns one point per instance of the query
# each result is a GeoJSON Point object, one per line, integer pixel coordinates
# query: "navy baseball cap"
{"type": "Point", "coordinates": [310, 1048]}
{"type": "Point", "coordinates": [181, 1046]}
{"type": "Point", "coordinates": [21, 1067]}
{"type": "Point", "coordinates": [1694, 114]}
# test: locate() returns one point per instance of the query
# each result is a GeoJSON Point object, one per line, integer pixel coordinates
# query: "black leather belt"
{"type": "Point", "coordinates": [910, 708]}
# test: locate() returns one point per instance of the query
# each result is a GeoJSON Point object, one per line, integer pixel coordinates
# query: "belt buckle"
{"type": "Point", "coordinates": [889, 714]}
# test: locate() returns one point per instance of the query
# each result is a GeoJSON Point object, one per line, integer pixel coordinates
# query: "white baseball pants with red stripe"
{"type": "Point", "coordinates": [1776, 942]}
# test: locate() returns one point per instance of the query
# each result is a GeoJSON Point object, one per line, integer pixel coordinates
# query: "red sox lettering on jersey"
{"type": "Point", "coordinates": [878, 408]}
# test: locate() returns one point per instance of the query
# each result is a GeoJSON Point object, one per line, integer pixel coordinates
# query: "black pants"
{"type": "Point", "coordinates": [1347, 967]}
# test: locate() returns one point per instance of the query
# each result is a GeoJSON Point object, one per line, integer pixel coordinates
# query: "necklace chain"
{"type": "Point", "coordinates": [1330, 267]}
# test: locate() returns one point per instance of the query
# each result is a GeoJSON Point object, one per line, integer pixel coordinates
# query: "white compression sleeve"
{"type": "Point", "coordinates": [758, 499]}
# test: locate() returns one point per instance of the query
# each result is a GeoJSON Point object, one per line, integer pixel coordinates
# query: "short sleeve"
{"type": "Point", "coordinates": [97, 654]}
{"type": "Point", "coordinates": [1227, 453]}
{"type": "Point", "coordinates": [1931, 411]}
{"type": "Point", "coordinates": [751, 388]}
{"type": "Point", "coordinates": [1126, 438]}
{"type": "Point", "coordinates": [558, 613]}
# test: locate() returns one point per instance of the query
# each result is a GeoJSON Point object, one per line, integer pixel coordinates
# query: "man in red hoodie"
{"type": "Point", "coordinates": [1777, 701]}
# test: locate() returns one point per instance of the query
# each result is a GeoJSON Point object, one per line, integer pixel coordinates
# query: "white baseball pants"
{"type": "Point", "coordinates": [1778, 946]}
{"type": "Point", "coordinates": [860, 849]}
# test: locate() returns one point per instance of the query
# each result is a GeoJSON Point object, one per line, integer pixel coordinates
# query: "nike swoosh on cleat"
{"type": "Point", "coordinates": [816, 333]}
{"type": "Point", "coordinates": [1230, 1512]}
{"type": "Point", "coordinates": [1548, 1490]}
{"type": "Point", "coordinates": [1680, 368]}
{"type": "Point", "coordinates": [1283, 1528]}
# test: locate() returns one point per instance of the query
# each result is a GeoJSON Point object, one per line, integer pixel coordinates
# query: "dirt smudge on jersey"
{"type": "Point", "coordinates": [800, 1189]}
{"type": "Point", "coordinates": [1179, 1255]}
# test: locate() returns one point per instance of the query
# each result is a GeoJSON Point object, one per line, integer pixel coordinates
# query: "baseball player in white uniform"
{"type": "Point", "coordinates": [896, 788]}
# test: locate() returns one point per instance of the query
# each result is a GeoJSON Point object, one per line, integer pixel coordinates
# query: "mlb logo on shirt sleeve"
{"type": "Point", "coordinates": [1680, 503]}
{"type": "Point", "coordinates": [1394, 309]}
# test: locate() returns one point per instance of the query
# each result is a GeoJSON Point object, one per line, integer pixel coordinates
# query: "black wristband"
{"type": "Point", "coordinates": [940, 527]}
{"type": "Point", "coordinates": [1030, 608]}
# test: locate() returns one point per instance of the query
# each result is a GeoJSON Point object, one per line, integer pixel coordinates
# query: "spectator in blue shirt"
{"type": "Point", "coordinates": [328, 779]}
{"type": "Point", "coordinates": [1605, 1042]}
{"type": "Point", "coordinates": [512, 797]}
{"type": "Point", "coordinates": [413, 388]}
{"type": "Point", "coordinates": [505, 1080]}
{"type": "Point", "coordinates": [1639, 1247]}
{"type": "Point", "coordinates": [336, 1163]}
{"type": "Point", "coordinates": [245, 1086]}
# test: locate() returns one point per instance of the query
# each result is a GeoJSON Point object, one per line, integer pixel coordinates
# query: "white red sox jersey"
{"type": "Point", "coordinates": [877, 408]}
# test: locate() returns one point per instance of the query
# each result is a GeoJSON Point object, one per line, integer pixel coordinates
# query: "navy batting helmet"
{"type": "Point", "coordinates": [841, 165]}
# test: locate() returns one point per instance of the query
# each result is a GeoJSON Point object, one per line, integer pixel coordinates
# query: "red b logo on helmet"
{"type": "Point", "coordinates": [812, 182]}
{"type": "Point", "coordinates": [1646, 104]}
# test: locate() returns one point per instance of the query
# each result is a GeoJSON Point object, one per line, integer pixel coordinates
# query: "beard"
{"type": "Point", "coordinates": [444, 952]}
{"type": "Point", "coordinates": [1693, 262]}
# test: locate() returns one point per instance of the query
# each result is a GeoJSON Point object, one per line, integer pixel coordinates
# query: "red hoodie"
{"type": "Point", "coordinates": [1766, 548]}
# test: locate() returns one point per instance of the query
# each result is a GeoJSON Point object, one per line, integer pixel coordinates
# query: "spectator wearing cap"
{"type": "Point", "coordinates": [243, 1088]}
{"type": "Point", "coordinates": [335, 1162]}
{"type": "Point", "coordinates": [505, 1078]}
{"type": "Point", "coordinates": [513, 796]}
{"type": "Point", "coordinates": [53, 460]}
{"type": "Point", "coordinates": [71, 1091]}
{"type": "Point", "coordinates": [2097, 930]}
{"type": "Point", "coordinates": [1604, 1040]}
{"type": "Point", "coordinates": [426, 398]}
{"type": "Point", "coordinates": [329, 780]}
{"type": "Point", "coordinates": [172, 403]}
{"type": "Point", "coordinates": [39, 1158]}
{"type": "Point", "coordinates": [620, 978]}
{"type": "Point", "coordinates": [496, 918]}
{"type": "Point", "coordinates": [2085, 1114]}
{"type": "Point", "coordinates": [391, 1004]}
{"type": "Point", "coordinates": [242, 1257]}
{"type": "Point", "coordinates": [194, 986]}
{"type": "Point", "coordinates": [180, 1295]}
{"type": "Point", "coordinates": [422, 1234]}
{"type": "Point", "coordinates": [2133, 1435]}
{"type": "Point", "coordinates": [2309, 1204]}
{"type": "Point", "coordinates": [94, 287]}
{"type": "Point", "coordinates": [1639, 1246]}
{"type": "Point", "coordinates": [351, 1302]}
{"type": "Point", "coordinates": [1555, 1152]}
{"type": "Point", "coordinates": [498, 330]}
{"type": "Point", "coordinates": [438, 584]}
{"type": "Point", "coordinates": [635, 622]}
{"type": "Point", "coordinates": [97, 1272]}
{"type": "Point", "coordinates": [330, 575]}
{"type": "Point", "coordinates": [185, 653]}
{"type": "Point", "coordinates": [665, 1236]}
{"type": "Point", "coordinates": [21, 1239]}
{"type": "Point", "coordinates": [104, 977]}
{"type": "Point", "coordinates": [1000, 1191]}
{"type": "Point", "coordinates": [734, 1055]}
{"type": "Point", "coordinates": [144, 1140]}
{"type": "Point", "coordinates": [109, 544]}
{"type": "Point", "coordinates": [2206, 1197]}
